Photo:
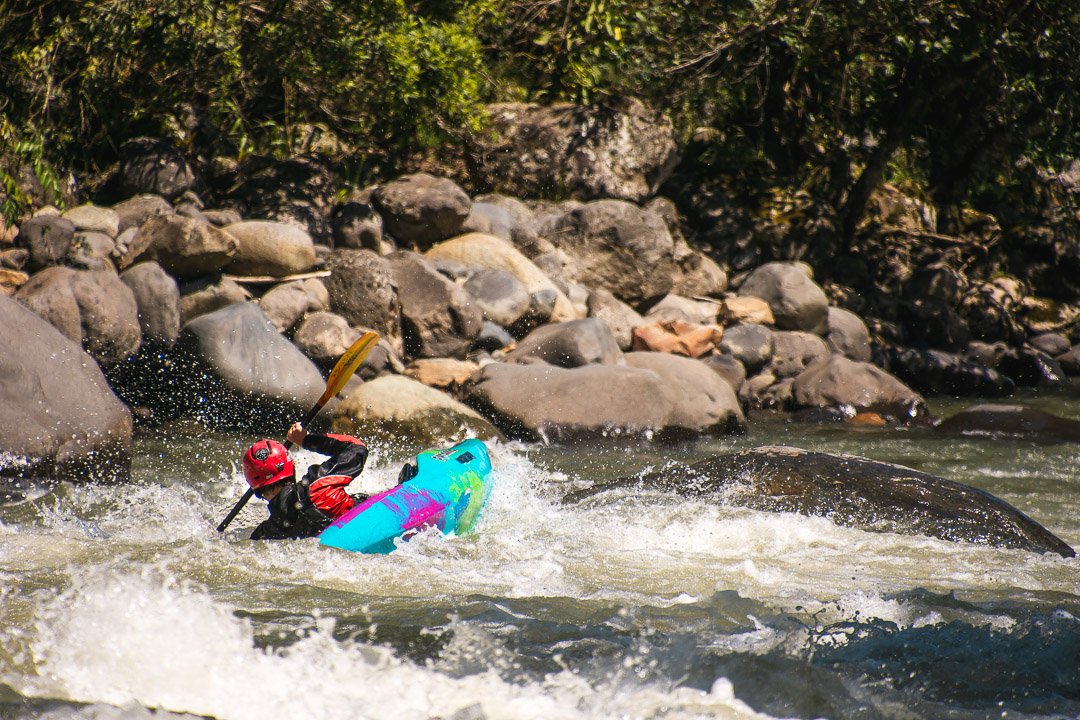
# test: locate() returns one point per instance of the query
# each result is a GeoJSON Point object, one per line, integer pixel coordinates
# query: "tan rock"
{"type": "Point", "coordinates": [735, 310]}
{"type": "Point", "coordinates": [678, 338]}
{"type": "Point", "coordinates": [441, 373]}
{"type": "Point", "coordinates": [12, 280]}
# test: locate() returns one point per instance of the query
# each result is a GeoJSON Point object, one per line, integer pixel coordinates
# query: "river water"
{"type": "Point", "coordinates": [123, 601]}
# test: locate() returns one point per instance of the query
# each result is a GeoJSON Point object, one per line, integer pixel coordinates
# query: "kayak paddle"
{"type": "Point", "coordinates": [343, 370]}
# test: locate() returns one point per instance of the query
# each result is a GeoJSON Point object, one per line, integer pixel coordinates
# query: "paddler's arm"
{"type": "Point", "coordinates": [349, 454]}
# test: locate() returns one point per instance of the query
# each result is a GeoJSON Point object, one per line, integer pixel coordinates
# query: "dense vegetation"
{"type": "Point", "coordinates": [832, 95]}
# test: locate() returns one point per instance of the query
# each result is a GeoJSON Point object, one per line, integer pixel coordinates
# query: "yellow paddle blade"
{"type": "Point", "coordinates": [347, 364]}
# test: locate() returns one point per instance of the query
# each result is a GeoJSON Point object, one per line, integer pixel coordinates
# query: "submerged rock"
{"type": "Point", "coordinates": [852, 491]}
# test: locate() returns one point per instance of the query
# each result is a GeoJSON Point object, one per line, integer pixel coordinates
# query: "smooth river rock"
{"type": "Point", "coordinates": [851, 491]}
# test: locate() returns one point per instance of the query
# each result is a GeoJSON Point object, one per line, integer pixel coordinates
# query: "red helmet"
{"type": "Point", "coordinates": [266, 462]}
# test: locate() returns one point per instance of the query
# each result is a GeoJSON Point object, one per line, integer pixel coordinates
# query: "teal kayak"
{"type": "Point", "coordinates": [447, 490]}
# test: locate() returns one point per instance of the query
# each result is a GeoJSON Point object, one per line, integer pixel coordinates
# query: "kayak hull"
{"type": "Point", "coordinates": [448, 492]}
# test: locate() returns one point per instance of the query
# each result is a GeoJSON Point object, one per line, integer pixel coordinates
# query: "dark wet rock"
{"type": "Point", "coordinates": [239, 373]}
{"type": "Point", "coordinates": [153, 166]}
{"type": "Point", "coordinates": [500, 295]}
{"type": "Point", "coordinates": [529, 402]}
{"type": "Point", "coordinates": [297, 191]}
{"type": "Point", "coordinates": [157, 298]}
{"type": "Point", "coordinates": [543, 306]}
{"type": "Point", "coordinates": [932, 323]}
{"type": "Point", "coordinates": [438, 317]}
{"type": "Point", "coordinates": [47, 238]}
{"type": "Point", "coordinates": [614, 245]}
{"type": "Point", "coordinates": [361, 287]}
{"type": "Point", "coordinates": [796, 301]}
{"type": "Point", "coordinates": [421, 210]}
{"type": "Point", "coordinates": [857, 387]}
{"type": "Point", "coordinates": [184, 248]}
{"type": "Point", "coordinates": [750, 344]}
{"type": "Point", "coordinates": [848, 490]}
{"type": "Point", "coordinates": [935, 372]}
{"type": "Point", "coordinates": [492, 337]}
{"type": "Point", "coordinates": [1028, 367]}
{"type": "Point", "coordinates": [1053, 344]}
{"type": "Point", "coordinates": [58, 417]}
{"type": "Point", "coordinates": [358, 226]}
{"type": "Point", "coordinates": [569, 344]}
{"type": "Point", "coordinates": [1012, 421]}
{"type": "Point", "coordinates": [92, 308]}
{"type": "Point", "coordinates": [1069, 361]}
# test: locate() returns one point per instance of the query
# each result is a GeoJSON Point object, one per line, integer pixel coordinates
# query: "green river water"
{"type": "Point", "coordinates": [123, 601]}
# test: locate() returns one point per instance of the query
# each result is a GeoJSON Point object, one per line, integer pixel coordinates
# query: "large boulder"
{"type": "Point", "coordinates": [569, 344]}
{"type": "Point", "coordinates": [749, 343]}
{"type": "Point", "coordinates": [857, 387]}
{"type": "Point", "coordinates": [488, 251]}
{"type": "Point", "coordinates": [270, 248]}
{"type": "Point", "coordinates": [501, 296]}
{"type": "Point", "coordinates": [399, 410]}
{"type": "Point", "coordinates": [848, 490]}
{"type": "Point", "coordinates": [1015, 421]}
{"type": "Point", "coordinates": [796, 301]}
{"type": "Point", "coordinates": [694, 391]}
{"type": "Point", "coordinates": [848, 335]}
{"type": "Point", "coordinates": [361, 287]}
{"type": "Point", "coordinates": [794, 352]}
{"type": "Point", "coordinates": [614, 245]}
{"type": "Point", "coordinates": [935, 372]}
{"type": "Point", "coordinates": [58, 417]}
{"type": "Point", "coordinates": [239, 373]}
{"type": "Point", "coordinates": [153, 166]}
{"type": "Point", "coordinates": [92, 308]}
{"type": "Point", "coordinates": [544, 403]}
{"type": "Point", "coordinates": [421, 210]}
{"type": "Point", "coordinates": [438, 317]}
{"type": "Point", "coordinates": [92, 218]}
{"type": "Point", "coordinates": [598, 151]}
{"type": "Point", "coordinates": [157, 298]}
{"type": "Point", "coordinates": [184, 247]}
{"type": "Point", "coordinates": [133, 212]}
{"type": "Point", "coordinates": [47, 238]}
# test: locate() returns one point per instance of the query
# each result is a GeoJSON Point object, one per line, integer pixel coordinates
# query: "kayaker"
{"type": "Point", "coordinates": [305, 507]}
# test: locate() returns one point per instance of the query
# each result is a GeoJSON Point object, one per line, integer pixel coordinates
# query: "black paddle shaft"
{"type": "Point", "coordinates": [251, 491]}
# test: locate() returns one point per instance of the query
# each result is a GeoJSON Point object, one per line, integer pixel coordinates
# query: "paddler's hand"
{"type": "Point", "coordinates": [296, 435]}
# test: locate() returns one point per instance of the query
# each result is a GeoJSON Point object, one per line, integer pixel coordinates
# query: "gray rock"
{"type": "Point", "coordinates": [184, 248]}
{"type": "Point", "coordinates": [621, 319]}
{"type": "Point", "coordinates": [502, 298]}
{"type": "Point", "coordinates": [499, 219]}
{"type": "Point", "coordinates": [361, 287]}
{"type": "Point", "coordinates": [794, 352]}
{"type": "Point", "coordinates": [1016, 421]}
{"type": "Point", "coordinates": [421, 210]}
{"type": "Point", "coordinates": [676, 307]}
{"type": "Point", "coordinates": [239, 373]}
{"type": "Point", "coordinates": [616, 246]}
{"type": "Point", "coordinates": [59, 419]}
{"type": "Point", "coordinates": [324, 337]}
{"type": "Point", "coordinates": [848, 335]}
{"type": "Point", "coordinates": [137, 210]}
{"type": "Point", "coordinates": [492, 337]}
{"type": "Point", "coordinates": [697, 395]}
{"type": "Point", "coordinates": [223, 217]}
{"type": "Point", "coordinates": [569, 344]}
{"type": "Point", "coordinates": [47, 238]}
{"type": "Point", "coordinates": [356, 225]}
{"type": "Point", "coordinates": [206, 295]}
{"type": "Point", "coordinates": [92, 251]}
{"type": "Point", "coordinates": [286, 303]}
{"type": "Point", "coordinates": [91, 218]}
{"type": "Point", "coordinates": [857, 387]}
{"type": "Point", "coordinates": [154, 166]}
{"type": "Point", "coordinates": [616, 150]}
{"type": "Point", "coordinates": [93, 308]}
{"type": "Point", "coordinates": [530, 402]}
{"type": "Point", "coordinates": [728, 368]}
{"type": "Point", "coordinates": [749, 343]}
{"type": "Point", "coordinates": [157, 298]}
{"type": "Point", "coordinates": [796, 301]}
{"type": "Point", "coordinates": [1050, 343]}
{"type": "Point", "coordinates": [438, 317]}
{"type": "Point", "coordinates": [848, 490]}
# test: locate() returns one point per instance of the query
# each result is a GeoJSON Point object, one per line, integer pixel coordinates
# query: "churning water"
{"type": "Point", "coordinates": [123, 601]}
